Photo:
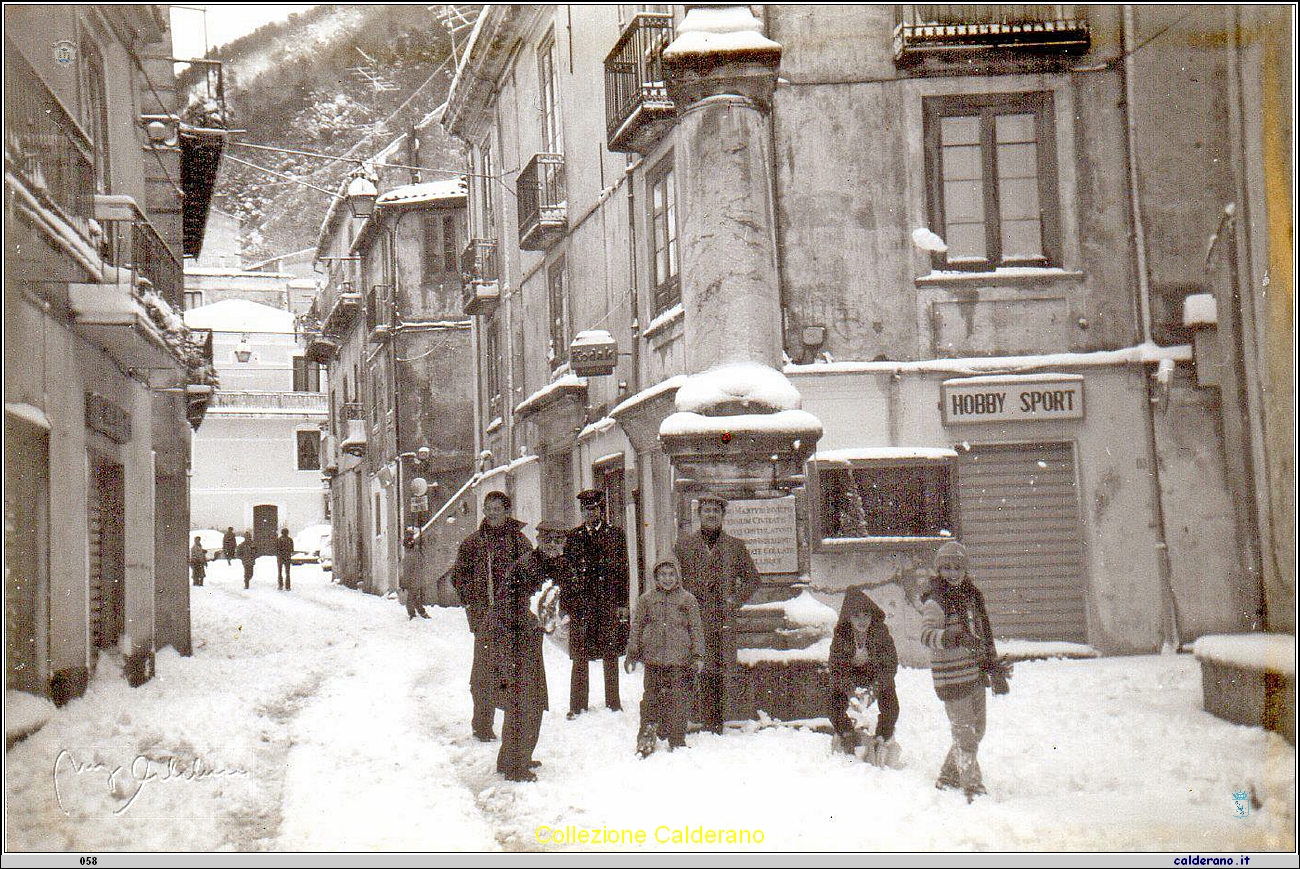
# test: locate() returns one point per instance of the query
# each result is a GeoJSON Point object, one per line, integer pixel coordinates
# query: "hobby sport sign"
{"type": "Point", "coordinates": [1013, 398]}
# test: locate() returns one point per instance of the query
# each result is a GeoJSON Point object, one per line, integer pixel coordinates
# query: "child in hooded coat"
{"type": "Point", "coordinates": [863, 656]}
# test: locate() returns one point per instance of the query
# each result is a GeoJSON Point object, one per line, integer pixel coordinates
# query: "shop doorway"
{"type": "Point", "coordinates": [1019, 511]}
{"type": "Point", "coordinates": [27, 551]}
{"type": "Point", "coordinates": [106, 506]}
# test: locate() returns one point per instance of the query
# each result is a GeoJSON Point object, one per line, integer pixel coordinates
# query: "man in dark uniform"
{"type": "Point", "coordinates": [596, 600]}
{"type": "Point", "coordinates": [520, 673]}
{"type": "Point", "coordinates": [719, 571]}
{"type": "Point", "coordinates": [283, 559]}
{"type": "Point", "coordinates": [481, 564]}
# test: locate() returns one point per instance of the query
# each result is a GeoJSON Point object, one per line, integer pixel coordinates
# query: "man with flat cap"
{"type": "Point", "coordinates": [596, 600]}
{"type": "Point", "coordinates": [719, 571]}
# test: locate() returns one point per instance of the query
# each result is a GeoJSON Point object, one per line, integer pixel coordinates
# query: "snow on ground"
{"type": "Point", "coordinates": [322, 719]}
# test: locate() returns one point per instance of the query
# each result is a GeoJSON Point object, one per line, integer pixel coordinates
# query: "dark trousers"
{"type": "Point", "coordinates": [481, 675]}
{"type": "Point", "coordinates": [415, 600]}
{"type": "Point", "coordinates": [230, 555]}
{"type": "Point", "coordinates": [666, 701]}
{"type": "Point", "coordinates": [580, 640]}
{"type": "Point", "coordinates": [248, 572]}
{"type": "Point", "coordinates": [282, 565]}
{"type": "Point", "coordinates": [519, 732]}
{"type": "Point", "coordinates": [886, 704]}
{"type": "Point", "coordinates": [710, 700]}
{"type": "Point", "coordinates": [198, 570]}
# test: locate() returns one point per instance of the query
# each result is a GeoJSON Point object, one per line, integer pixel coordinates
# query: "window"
{"type": "Point", "coordinates": [491, 364]}
{"type": "Point", "coordinates": [548, 85]}
{"type": "Point", "coordinates": [663, 233]}
{"type": "Point", "coordinates": [193, 299]}
{"type": "Point", "coordinates": [94, 110]}
{"type": "Point", "coordinates": [992, 180]}
{"type": "Point", "coordinates": [487, 182]}
{"type": "Point", "coordinates": [379, 514]}
{"type": "Point", "coordinates": [558, 296]}
{"type": "Point", "coordinates": [433, 256]}
{"type": "Point", "coordinates": [306, 375]}
{"type": "Point", "coordinates": [449, 243]}
{"type": "Point", "coordinates": [885, 499]}
{"type": "Point", "coordinates": [308, 450]}
{"type": "Point", "coordinates": [376, 392]}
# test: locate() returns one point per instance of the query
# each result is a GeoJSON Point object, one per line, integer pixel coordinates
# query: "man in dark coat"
{"type": "Point", "coordinates": [520, 686]}
{"type": "Point", "coordinates": [247, 552]}
{"type": "Point", "coordinates": [481, 564]}
{"type": "Point", "coordinates": [283, 559]}
{"type": "Point", "coordinates": [596, 600]}
{"type": "Point", "coordinates": [719, 571]}
{"type": "Point", "coordinates": [229, 543]}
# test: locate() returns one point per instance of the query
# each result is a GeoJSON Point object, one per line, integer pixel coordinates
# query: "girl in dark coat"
{"type": "Point", "coordinates": [863, 656]}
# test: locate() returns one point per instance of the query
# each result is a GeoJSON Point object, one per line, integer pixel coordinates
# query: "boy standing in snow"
{"type": "Point", "coordinates": [955, 627]}
{"type": "Point", "coordinates": [198, 562]}
{"type": "Point", "coordinates": [667, 634]}
{"type": "Point", "coordinates": [863, 656]}
{"type": "Point", "coordinates": [247, 552]}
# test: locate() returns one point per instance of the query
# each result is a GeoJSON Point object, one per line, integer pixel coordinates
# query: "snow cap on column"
{"type": "Point", "coordinates": [738, 387]}
{"type": "Point", "coordinates": [714, 30]}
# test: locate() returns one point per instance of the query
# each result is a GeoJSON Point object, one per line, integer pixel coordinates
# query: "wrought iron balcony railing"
{"type": "Point", "coordinates": [936, 29]}
{"type": "Point", "coordinates": [130, 241]}
{"type": "Point", "coordinates": [543, 206]}
{"type": "Point", "coordinates": [637, 108]}
{"type": "Point", "coordinates": [480, 268]}
{"type": "Point", "coordinates": [249, 401]}
{"type": "Point", "coordinates": [44, 147]}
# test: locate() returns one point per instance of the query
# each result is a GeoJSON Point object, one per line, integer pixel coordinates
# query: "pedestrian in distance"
{"type": "Point", "coordinates": [283, 559]}
{"type": "Point", "coordinates": [520, 688]}
{"type": "Point", "coordinates": [863, 661]}
{"type": "Point", "coordinates": [229, 544]}
{"type": "Point", "coordinates": [596, 600]}
{"type": "Point", "coordinates": [482, 561]}
{"type": "Point", "coordinates": [247, 552]}
{"type": "Point", "coordinates": [666, 635]}
{"type": "Point", "coordinates": [198, 562]}
{"type": "Point", "coordinates": [963, 662]}
{"type": "Point", "coordinates": [719, 571]}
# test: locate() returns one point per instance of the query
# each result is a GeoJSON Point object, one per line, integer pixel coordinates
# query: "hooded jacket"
{"type": "Point", "coordinates": [482, 561]}
{"type": "Point", "coordinates": [881, 658]}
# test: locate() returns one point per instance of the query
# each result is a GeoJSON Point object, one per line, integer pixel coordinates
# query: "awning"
{"type": "Point", "coordinates": [201, 151]}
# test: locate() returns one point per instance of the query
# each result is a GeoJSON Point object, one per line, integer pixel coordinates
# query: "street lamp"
{"type": "Point", "coordinates": [361, 196]}
{"type": "Point", "coordinates": [243, 350]}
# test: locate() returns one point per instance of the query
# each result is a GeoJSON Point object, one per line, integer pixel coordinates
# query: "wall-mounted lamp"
{"type": "Point", "coordinates": [243, 350]}
{"type": "Point", "coordinates": [362, 194]}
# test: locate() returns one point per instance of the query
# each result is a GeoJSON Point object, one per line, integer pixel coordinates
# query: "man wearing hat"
{"type": "Point", "coordinates": [719, 571]}
{"type": "Point", "coordinates": [520, 687]}
{"type": "Point", "coordinates": [596, 600]}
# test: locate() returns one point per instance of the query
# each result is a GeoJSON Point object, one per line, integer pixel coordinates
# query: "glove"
{"type": "Point", "coordinates": [629, 665]}
{"type": "Point", "coordinates": [998, 671]}
{"type": "Point", "coordinates": [955, 637]}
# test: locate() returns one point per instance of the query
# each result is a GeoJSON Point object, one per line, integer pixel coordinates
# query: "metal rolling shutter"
{"type": "Point", "coordinates": [95, 524]}
{"type": "Point", "coordinates": [1019, 512]}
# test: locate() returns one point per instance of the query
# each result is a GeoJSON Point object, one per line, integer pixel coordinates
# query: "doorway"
{"type": "Point", "coordinates": [266, 518]}
{"type": "Point", "coordinates": [106, 505]}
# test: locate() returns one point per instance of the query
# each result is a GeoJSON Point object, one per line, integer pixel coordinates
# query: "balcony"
{"type": "Point", "coordinates": [131, 242]}
{"type": "Point", "coordinates": [637, 109]}
{"type": "Point", "coordinates": [381, 313]}
{"type": "Point", "coordinates": [926, 31]}
{"type": "Point", "coordinates": [46, 151]}
{"type": "Point", "coordinates": [320, 348]}
{"type": "Point", "coordinates": [543, 209]}
{"type": "Point", "coordinates": [480, 268]}
{"type": "Point", "coordinates": [354, 430]}
{"type": "Point", "coordinates": [343, 313]}
{"type": "Point", "coordinates": [266, 402]}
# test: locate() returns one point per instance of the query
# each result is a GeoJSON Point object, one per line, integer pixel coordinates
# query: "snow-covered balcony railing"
{"type": "Point", "coordinates": [46, 151]}
{"type": "Point", "coordinates": [269, 402]}
{"type": "Point", "coordinates": [380, 312]}
{"type": "Point", "coordinates": [543, 208]}
{"type": "Point", "coordinates": [637, 108]}
{"type": "Point", "coordinates": [926, 30]}
{"type": "Point", "coordinates": [131, 241]}
{"type": "Point", "coordinates": [480, 269]}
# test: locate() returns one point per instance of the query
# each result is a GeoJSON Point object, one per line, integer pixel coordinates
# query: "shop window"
{"type": "Point", "coordinates": [663, 237]}
{"type": "Point", "coordinates": [992, 180]}
{"type": "Point", "coordinates": [306, 375]}
{"type": "Point", "coordinates": [872, 499]}
{"type": "Point", "coordinates": [308, 450]}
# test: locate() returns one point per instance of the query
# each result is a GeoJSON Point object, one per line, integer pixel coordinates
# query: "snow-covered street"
{"type": "Point", "coordinates": [322, 719]}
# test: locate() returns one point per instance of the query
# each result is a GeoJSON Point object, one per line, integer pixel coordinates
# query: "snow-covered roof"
{"type": "Point", "coordinates": [883, 454]}
{"type": "Point", "coordinates": [796, 423]}
{"type": "Point", "coordinates": [650, 392]}
{"type": "Point", "coordinates": [739, 385]}
{"type": "Point", "coordinates": [1271, 653]}
{"type": "Point", "coordinates": [592, 337]}
{"type": "Point", "coordinates": [239, 315]}
{"type": "Point", "coordinates": [720, 30]}
{"type": "Point", "coordinates": [428, 191]}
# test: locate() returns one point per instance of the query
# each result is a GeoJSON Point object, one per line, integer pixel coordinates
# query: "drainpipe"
{"type": "Point", "coordinates": [1170, 639]}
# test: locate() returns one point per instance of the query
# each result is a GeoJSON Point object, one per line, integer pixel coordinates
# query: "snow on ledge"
{"type": "Point", "coordinates": [567, 382]}
{"type": "Point", "coordinates": [429, 191]}
{"type": "Point", "coordinates": [1270, 653]}
{"type": "Point", "coordinates": [1046, 377]}
{"type": "Point", "coordinates": [503, 469]}
{"type": "Point", "coordinates": [719, 30]}
{"type": "Point", "coordinates": [604, 424]}
{"type": "Point", "coordinates": [796, 423]}
{"type": "Point", "coordinates": [819, 651]}
{"type": "Point", "coordinates": [648, 393]}
{"type": "Point", "coordinates": [846, 456]}
{"type": "Point", "coordinates": [747, 385]}
{"type": "Point", "coordinates": [1140, 354]}
{"type": "Point", "coordinates": [1027, 649]}
{"type": "Point", "coordinates": [1200, 309]}
{"type": "Point", "coordinates": [676, 312]}
{"type": "Point", "coordinates": [804, 611]}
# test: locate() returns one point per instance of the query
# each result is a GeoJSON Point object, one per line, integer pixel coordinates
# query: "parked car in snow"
{"type": "Point", "coordinates": [308, 541]}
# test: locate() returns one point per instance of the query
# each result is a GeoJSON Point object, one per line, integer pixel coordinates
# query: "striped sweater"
{"type": "Point", "coordinates": [945, 611]}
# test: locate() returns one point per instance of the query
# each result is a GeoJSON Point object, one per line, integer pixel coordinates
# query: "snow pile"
{"type": "Point", "coordinates": [818, 651]}
{"type": "Point", "coordinates": [24, 714]}
{"type": "Point", "coordinates": [737, 388]}
{"type": "Point", "coordinates": [791, 423]}
{"type": "Point", "coordinates": [720, 30]}
{"type": "Point", "coordinates": [924, 239]}
{"type": "Point", "coordinates": [1271, 653]}
{"type": "Point", "coordinates": [803, 611]}
{"type": "Point", "coordinates": [1200, 309]}
{"type": "Point", "coordinates": [600, 426]}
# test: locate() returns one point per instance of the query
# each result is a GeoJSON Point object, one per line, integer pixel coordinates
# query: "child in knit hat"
{"type": "Point", "coordinates": [863, 657]}
{"type": "Point", "coordinates": [963, 660]}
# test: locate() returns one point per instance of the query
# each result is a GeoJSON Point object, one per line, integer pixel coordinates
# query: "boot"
{"type": "Point", "coordinates": [890, 753]}
{"type": "Point", "coordinates": [646, 739]}
{"type": "Point", "coordinates": [844, 742]}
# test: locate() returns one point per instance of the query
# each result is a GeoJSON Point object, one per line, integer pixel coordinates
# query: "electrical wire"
{"type": "Point", "coordinates": [330, 193]}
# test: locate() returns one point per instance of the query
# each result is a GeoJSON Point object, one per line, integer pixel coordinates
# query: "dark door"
{"type": "Point", "coordinates": [27, 507]}
{"type": "Point", "coordinates": [105, 519]}
{"type": "Point", "coordinates": [265, 520]}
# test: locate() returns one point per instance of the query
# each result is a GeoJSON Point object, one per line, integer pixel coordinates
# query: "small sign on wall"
{"type": "Point", "coordinates": [1012, 398]}
{"type": "Point", "coordinates": [768, 529]}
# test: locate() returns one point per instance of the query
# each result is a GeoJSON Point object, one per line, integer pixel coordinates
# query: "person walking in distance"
{"type": "Point", "coordinates": [229, 544]}
{"type": "Point", "coordinates": [482, 561]}
{"type": "Point", "coordinates": [719, 571]}
{"type": "Point", "coordinates": [198, 562]}
{"type": "Point", "coordinates": [283, 559]}
{"type": "Point", "coordinates": [247, 552]}
{"type": "Point", "coordinates": [596, 600]}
